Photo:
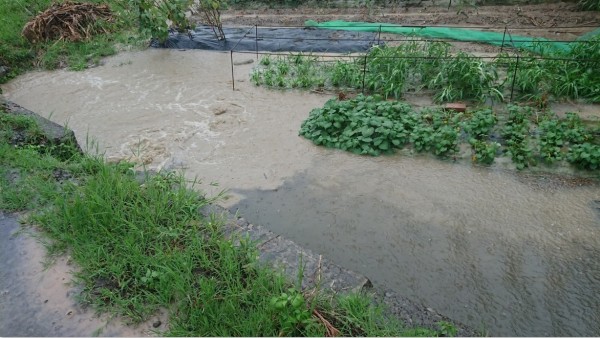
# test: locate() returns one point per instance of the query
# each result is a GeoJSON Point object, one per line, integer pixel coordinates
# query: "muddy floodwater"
{"type": "Point", "coordinates": [506, 252]}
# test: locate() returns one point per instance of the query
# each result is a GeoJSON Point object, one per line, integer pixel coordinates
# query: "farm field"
{"type": "Point", "coordinates": [506, 246]}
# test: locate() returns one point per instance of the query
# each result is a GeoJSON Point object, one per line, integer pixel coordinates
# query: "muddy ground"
{"type": "Point", "coordinates": [559, 21]}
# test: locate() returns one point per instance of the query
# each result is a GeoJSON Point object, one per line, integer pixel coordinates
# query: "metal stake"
{"type": "Point", "coordinates": [512, 88]}
{"type": "Point", "coordinates": [232, 76]}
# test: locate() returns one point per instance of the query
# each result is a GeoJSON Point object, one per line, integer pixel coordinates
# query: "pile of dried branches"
{"type": "Point", "coordinates": [71, 21]}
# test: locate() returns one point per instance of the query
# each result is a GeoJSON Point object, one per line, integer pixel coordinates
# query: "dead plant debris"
{"type": "Point", "coordinates": [72, 21]}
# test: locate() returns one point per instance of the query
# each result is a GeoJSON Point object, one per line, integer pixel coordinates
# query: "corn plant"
{"type": "Point", "coordinates": [346, 74]}
{"type": "Point", "coordinates": [387, 71]}
{"type": "Point", "coordinates": [466, 78]}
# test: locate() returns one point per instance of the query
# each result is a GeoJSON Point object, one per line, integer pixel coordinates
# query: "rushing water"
{"type": "Point", "coordinates": [510, 253]}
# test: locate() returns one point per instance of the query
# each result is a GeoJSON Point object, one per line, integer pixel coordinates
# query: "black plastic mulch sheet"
{"type": "Point", "coordinates": [272, 39]}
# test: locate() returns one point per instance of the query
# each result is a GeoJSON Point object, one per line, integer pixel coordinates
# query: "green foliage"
{"type": "Point", "coordinates": [19, 55]}
{"type": "Point", "coordinates": [370, 125]}
{"type": "Point", "coordinates": [447, 329]}
{"type": "Point", "coordinates": [364, 125]}
{"type": "Point", "coordinates": [585, 156]}
{"type": "Point", "coordinates": [346, 74]}
{"type": "Point", "coordinates": [574, 130]}
{"type": "Point", "coordinates": [22, 132]}
{"type": "Point", "coordinates": [552, 140]}
{"type": "Point", "coordinates": [292, 71]}
{"type": "Point", "coordinates": [481, 123]}
{"type": "Point", "coordinates": [154, 16]}
{"type": "Point", "coordinates": [445, 140]}
{"type": "Point", "coordinates": [556, 135]}
{"type": "Point", "coordinates": [295, 315]}
{"type": "Point", "coordinates": [484, 151]}
{"type": "Point", "coordinates": [574, 74]}
{"type": "Point", "coordinates": [516, 134]}
{"type": "Point", "coordinates": [422, 137]}
{"type": "Point", "coordinates": [464, 77]}
{"type": "Point", "coordinates": [589, 5]}
{"type": "Point", "coordinates": [390, 72]}
{"type": "Point", "coordinates": [211, 11]}
{"type": "Point", "coordinates": [389, 69]}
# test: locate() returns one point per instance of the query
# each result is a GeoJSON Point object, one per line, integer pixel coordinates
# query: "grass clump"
{"type": "Point", "coordinates": [30, 164]}
{"type": "Point", "coordinates": [141, 244]}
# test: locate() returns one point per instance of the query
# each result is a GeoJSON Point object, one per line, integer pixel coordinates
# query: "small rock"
{"type": "Point", "coordinates": [156, 324]}
{"type": "Point", "coordinates": [70, 312]}
{"type": "Point", "coordinates": [4, 71]}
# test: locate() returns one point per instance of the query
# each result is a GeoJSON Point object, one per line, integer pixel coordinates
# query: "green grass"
{"type": "Point", "coordinates": [19, 55]}
{"type": "Point", "coordinates": [141, 244]}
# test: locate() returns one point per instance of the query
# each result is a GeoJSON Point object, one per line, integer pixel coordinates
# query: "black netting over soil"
{"type": "Point", "coordinates": [272, 39]}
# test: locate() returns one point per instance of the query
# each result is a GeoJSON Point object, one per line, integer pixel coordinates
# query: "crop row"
{"type": "Point", "coordinates": [372, 126]}
{"type": "Point", "coordinates": [415, 66]}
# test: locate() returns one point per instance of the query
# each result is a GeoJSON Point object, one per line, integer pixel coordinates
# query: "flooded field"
{"type": "Point", "coordinates": [502, 251]}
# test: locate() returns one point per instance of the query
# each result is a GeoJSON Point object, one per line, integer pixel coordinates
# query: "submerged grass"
{"type": "Point", "coordinates": [141, 244]}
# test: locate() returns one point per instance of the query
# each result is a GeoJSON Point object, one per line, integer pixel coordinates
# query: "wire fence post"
{"type": "Point", "coordinates": [512, 87]}
{"type": "Point", "coordinates": [232, 75]}
{"type": "Point", "coordinates": [503, 37]}
{"type": "Point", "coordinates": [364, 73]}
{"type": "Point", "coordinates": [379, 36]}
{"type": "Point", "coordinates": [256, 40]}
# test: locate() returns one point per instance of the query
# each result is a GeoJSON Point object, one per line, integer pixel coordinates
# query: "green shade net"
{"type": "Point", "coordinates": [536, 45]}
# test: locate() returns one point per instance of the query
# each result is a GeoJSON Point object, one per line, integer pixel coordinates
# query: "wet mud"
{"type": "Point", "coordinates": [37, 297]}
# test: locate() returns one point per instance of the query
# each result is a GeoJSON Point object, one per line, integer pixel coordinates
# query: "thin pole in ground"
{"type": "Point", "coordinates": [503, 37]}
{"type": "Point", "coordinates": [512, 87]}
{"type": "Point", "coordinates": [379, 36]}
{"type": "Point", "coordinates": [364, 73]}
{"type": "Point", "coordinates": [232, 76]}
{"type": "Point", "coordinates": [256, 40]}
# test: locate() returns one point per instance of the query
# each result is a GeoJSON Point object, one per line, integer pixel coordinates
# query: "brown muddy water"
{"type": "Point", "coordinates": [501, 251]}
